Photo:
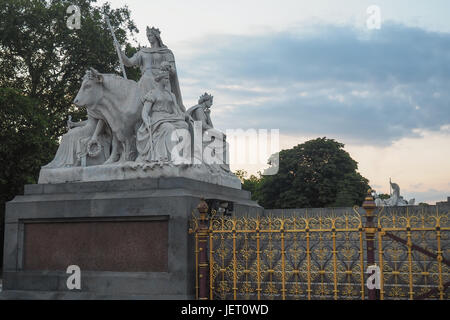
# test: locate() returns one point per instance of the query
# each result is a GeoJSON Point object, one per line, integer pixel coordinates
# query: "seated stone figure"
{"type": "Point", "coordinates": [202, 112]}
{"type": "Point", "coordinates": [162, 121]}
{"type": "Point", "coordinates": [86, 143]}
{"type": "Point", "coordinates": [214, 141]}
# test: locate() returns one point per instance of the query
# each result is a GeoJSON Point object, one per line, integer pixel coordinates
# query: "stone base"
{"type": "Point", "coordinates": [129, 238]}
{"type": "Point", "coordinates": [134, 170]}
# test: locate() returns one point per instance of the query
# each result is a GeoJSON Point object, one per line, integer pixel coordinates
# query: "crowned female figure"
{"type": "Point", "coordinates": [162, 120]}
{"type": "Point", "coordinates": [202, 112]}
{"type": "Point", "coordinates": [151, 61]}
{"type": "Point", "coordinates": [214, 141]}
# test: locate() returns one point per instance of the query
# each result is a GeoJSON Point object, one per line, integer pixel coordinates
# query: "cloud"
{"type": "Point", "coordinates": [416, 186]}
{"type": "Point", "coordinates": [366, 87]}
{"type": "Point", "coordinates": [430, 196]}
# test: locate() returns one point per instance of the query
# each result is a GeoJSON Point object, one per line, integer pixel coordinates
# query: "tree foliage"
{"type": "Point", "coordinates": [25, 145]}
{"type": "Point", "coordinates": [28, 144]}
{"type": "Point", "coordinates": [318, 173]}
{"type": "Point", "coordinates": [251, 184]}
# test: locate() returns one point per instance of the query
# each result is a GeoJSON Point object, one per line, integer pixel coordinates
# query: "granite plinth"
{"type": "Point", "coordinates": [101, 226]}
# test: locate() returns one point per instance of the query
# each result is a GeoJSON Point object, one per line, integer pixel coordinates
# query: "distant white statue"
{"type": "Point", "coordinates": [395, 200]}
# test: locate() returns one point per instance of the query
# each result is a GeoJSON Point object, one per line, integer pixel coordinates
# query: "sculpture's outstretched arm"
{"type": "Point", "coordinates": [130, 62]}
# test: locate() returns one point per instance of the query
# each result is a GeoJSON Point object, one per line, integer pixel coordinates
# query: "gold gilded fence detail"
{"type": "Point", "coordinates": [284, 257]}
{"type": "Point", "coordinates": [324, 255]}
{"type": "Point", "coordinates": [414, 250]}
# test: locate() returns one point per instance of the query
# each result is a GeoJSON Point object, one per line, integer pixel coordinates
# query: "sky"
{"type": "Point", "coordinates": [314, 69]}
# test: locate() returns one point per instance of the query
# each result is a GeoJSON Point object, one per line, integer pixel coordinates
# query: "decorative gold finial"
{"type": "Point", "coordinates": [369, 203]}
{"type": "Point", "coordinates": [202, 207]}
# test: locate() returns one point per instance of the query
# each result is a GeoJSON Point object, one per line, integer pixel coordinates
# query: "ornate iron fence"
{"type": "Point", "coordinates": [322, 256]}
{"type": "Point", "coordinates": [413, 251]}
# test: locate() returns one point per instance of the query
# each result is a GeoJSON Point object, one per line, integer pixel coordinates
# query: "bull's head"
{"type": "Point", "coordinates": [91, 90]}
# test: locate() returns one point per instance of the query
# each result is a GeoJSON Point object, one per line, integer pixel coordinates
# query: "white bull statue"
{"type": "Point", "coordinates": [117, 101]}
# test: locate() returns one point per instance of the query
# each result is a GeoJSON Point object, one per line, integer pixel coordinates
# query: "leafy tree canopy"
{"type": "Point", "coordinates": [28, 145]}
{"type": "Point", "coordinates": [318, 173]}
{"type": "Point", "coordinates": [384, 196]}
{"type": "Point", "coordinates": [251, 184]}
{"type": "Point", "coordinates": [25, 145]}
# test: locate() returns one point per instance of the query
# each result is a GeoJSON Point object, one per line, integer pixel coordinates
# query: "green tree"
{"type": "Point", "coordinates": [42, 63]}
{"type": "Point", "coordinates": [27, 142]}
{"type": "Point", "coordinates": [251, 184]}
{"type": "Point", "coordinates": [241, 174]}
{"type": "Point", "coordinates": [423, 204]}
{"type": "Point", "coordinates": [25, 145]}
{"type": "Point", "coordinates": [317, 173]}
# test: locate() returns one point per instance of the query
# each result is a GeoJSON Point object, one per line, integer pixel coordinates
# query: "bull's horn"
{"type": "Point", "coordinates": [97, 74]}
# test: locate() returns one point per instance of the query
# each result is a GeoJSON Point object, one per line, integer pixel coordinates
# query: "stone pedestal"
{"type": "Point", "coordinates": [134, 170]}
{"type": "Point", "coordinates": [129, 238]}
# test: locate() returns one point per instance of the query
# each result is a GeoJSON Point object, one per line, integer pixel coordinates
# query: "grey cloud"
{"type": "Point", "coordinates": [430, 196]}
{"type": "Point", "coordinates": [368, 87]}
